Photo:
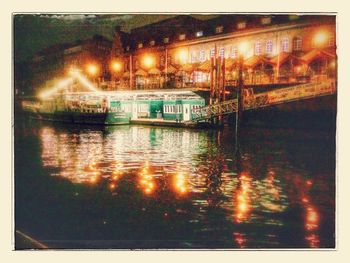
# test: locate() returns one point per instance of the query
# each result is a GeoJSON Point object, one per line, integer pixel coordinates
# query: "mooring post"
{"type": "Point", "coordinates": [239, 111]}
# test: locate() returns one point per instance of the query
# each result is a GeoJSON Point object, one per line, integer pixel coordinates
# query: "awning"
{"type": "Point", "coordinates": [126, 75]}
{"type": "Point", "coordinates": [171, 69]}
{"type": "Point", "coordinates": [189, 67]}
{"type": "Point", "coordinates": [315, 53]}
{"type": "Point", "coordinates": [230, 63]}
{"type": "Point", "coordinates": [205, 66]}
{"type": "Point", "coordinates": [284, 57]}
{"type": "Point", "coordinates": [141, 72]}
{"type": "Point", "coordinates": [255, 60]}
{"type": "Point", "coordinates": [154, 71]}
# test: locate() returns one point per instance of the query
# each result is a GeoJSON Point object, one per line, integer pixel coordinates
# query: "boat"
{"type": "Point", "coordinates": [116, 107]}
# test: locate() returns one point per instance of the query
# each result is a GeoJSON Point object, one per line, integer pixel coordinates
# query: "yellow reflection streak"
{"type": "Point", "coordinates": [116, 175]}
{"type": "Point", "coordinates": [146, 181]}
{"type": "Point", "coordinates": [180, 183]}
{"type": "Point", "coordinates": [312, 217]}
{"type": "Point", "coordinates": [243, 199]}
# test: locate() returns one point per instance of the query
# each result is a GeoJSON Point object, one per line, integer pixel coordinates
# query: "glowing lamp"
{"type": "Point", "coordinates": [148, 61]}
{"type": "Point", "coordinates": [320, 38]}
{"type": "Point", "coordinates": [243, 48]}
{"type": "Point", "coordinates": [182, 56]}
{"type": "Point", "coordinates": [92, 69]}
{"type": "Point", "coordinates": [116, 66]}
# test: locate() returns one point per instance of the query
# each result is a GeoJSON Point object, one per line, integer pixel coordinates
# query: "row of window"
{"type": "Point", "coordinates": [177, 108]}
{"type": "Point", "coordinates": [219, 29]}
{"type": "Point", "coordinates": [172, 108]}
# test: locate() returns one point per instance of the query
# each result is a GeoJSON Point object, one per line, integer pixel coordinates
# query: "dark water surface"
{"type": "Point", "coordinates": [146, 187]}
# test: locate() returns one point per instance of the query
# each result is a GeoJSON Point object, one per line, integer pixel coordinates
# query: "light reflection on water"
{"type": "Point", "coordinates": [234, 201]}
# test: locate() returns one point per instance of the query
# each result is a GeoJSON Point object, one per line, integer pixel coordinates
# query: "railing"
{"type": "Point", "coordinates": [269, 98]}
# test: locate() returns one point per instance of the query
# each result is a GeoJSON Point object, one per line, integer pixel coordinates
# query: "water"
{"type": "Point", "coordinates": [146, 187]}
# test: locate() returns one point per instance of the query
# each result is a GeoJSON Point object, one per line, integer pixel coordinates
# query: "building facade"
{"type": "Point", "coordinates": [90, 55]}
{"type": "Point", "coordinates": [178, 52]}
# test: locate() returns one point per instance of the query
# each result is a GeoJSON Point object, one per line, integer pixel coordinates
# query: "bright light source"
{"type": "Point", "coordinates": [243, 48]}
{"type": "Point", "coordinates": [182, 55]}
{"type": "Point", "coordinates": [148, 61]}
{"type": "Point", "coordinates": [116, 66]}
{"type": "Point", "coordinates": [92, 69]}
{"type": "Point", "coordinates": [64, 83]}
{"type": "Point", "coordinates": [320, 38]}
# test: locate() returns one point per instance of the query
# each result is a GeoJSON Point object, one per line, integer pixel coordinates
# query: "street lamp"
{"type": "Point", "coordinates": [116, 66]}
{"type": "Point", "coordinates": [148, 61]}
{"type": "Point", "coordinates": [320, 38]}
{"type": "Point", "coordinates": [92, 69]}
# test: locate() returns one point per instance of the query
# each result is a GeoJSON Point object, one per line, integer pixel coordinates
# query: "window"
{"type": "Point", "coordinates": [193, 57]}
{"type": "Point", "coordinates": [219, 29]}
{"type": "Point", "coordinates": [139, 45]}
{"type": "Point", "coordinates": [152, 43]}
{"type": "Point", "coordinates": [143, 107]}
{"type": "Point", "coordinates": [258, 48]}
{"type": "Point", "coordinates": [212, 52]}
{"type": "Point", "coordinates": [266, 20]}
{"type": "Point", "coordinates": [269, 47]}
{"type": "Point", "coordinates": [234, 52]}
{"type": "Point", "coordinates": [285, 44]}
{"type": "Point", "coordinates": [297, 41]}
{"type": "Point", "coordinates": [199, 33]}
{"type": "Point", "coordinates": [202, 55]}
{"type": "Point", "coordinates": [165, 40]}
{"type": "Point", "coordinates": [127, 48]}
{"type": "Point", "coordinates": [222, 52]}
{"type": "Point", "coordinates": [182, 36]}
{"type": "Point", "coordinates": [241, 25]}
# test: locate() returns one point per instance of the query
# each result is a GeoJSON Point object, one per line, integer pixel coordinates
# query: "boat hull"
{"type": "Point", "coordinates": [109, 118]}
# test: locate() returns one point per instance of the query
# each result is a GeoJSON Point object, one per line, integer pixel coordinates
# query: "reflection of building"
{"type": "Point", "coordinates": [176, 52]}
{"type": "Point", "coordinates": [90, 55]}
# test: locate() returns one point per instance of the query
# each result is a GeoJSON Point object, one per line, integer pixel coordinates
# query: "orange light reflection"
{"type": "Point", "coordinates": [243, 200]}
{"type": "Point", "coordinates": [146, 181]}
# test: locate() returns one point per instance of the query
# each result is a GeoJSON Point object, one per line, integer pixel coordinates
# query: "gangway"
{"type": "Point", "coordinates": [254, 101]}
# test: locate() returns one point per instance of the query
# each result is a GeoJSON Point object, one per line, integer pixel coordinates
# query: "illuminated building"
{"type": "Point", "coordinates": [279, 49]}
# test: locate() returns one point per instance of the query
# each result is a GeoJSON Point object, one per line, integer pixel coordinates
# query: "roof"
{"type": "Point", "coordinates": [316, 53]}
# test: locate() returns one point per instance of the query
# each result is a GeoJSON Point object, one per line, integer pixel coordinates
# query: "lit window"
{"type": "Point", "coordinates": [193, 57]}
{"type": "Point", "coordinates": [212, 52]}
{"type": "Point", "coordinates": [266, 20]}
{"type": "Point", "coordinates": [202, 55]}
{"type": "Point", "coordinates": [234, 53]}
{"type": "Point", "coordinates": [269, 46]}
{"type": "Point", "coordinates": [152, 43]}
{"type": "Point", "coordinates": [139, 45]}
{"type": "Point", "coordinates": [182, 36]}
{"type": "Point", "coordinates": [222, 52]}
{"type": "Point", "coordinates": [285, 44]}
{"type": "Point", "coordinates": [165, 40]}
{"type": "Point", "coordinates": [219, 29]}
{"type": "Point", "coordinates": [258, 48]}
{"type": "Point", "coordinates": [199, 33]}
{"type": "Point", "coordinates": [241, 25]}
{"type": "Point", "coordinates": [297, 42]}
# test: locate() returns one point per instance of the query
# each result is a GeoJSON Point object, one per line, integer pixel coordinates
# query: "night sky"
{"type": "Point", "coordinates": [35, 32]}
